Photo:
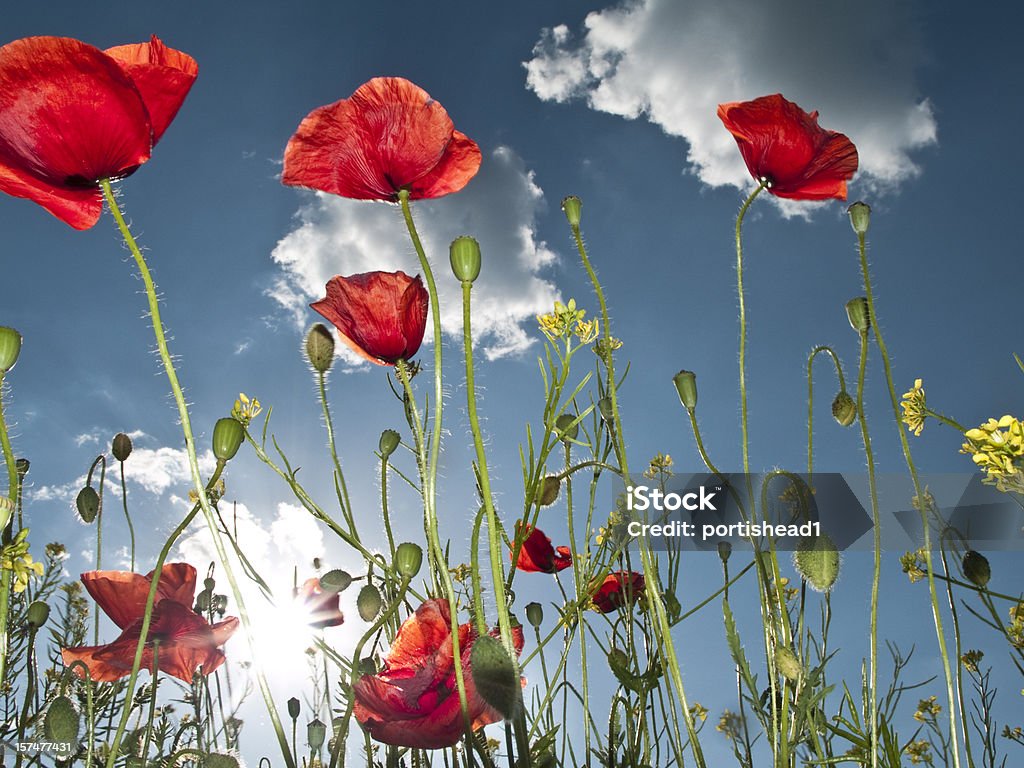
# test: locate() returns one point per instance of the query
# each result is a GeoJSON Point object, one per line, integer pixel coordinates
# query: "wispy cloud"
{"type": "Point", "coordinates": [673, 63]}
{"type": "Point", "coordinates": [498, 208]}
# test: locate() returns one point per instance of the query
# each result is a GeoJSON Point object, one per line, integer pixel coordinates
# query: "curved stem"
{"type": "Point", "coordinates": [823, 348]}
{"type": "Point", "coordinates": [5, 518]}
{"type": "Point", "coordinates": [193, 461]}
{"type": "Point", "coordinates": [128, 517]}
{"type": "Point", "coordinates": [904, 443]}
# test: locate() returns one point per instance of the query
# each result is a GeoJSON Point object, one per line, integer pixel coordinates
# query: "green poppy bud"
{"type": "Point", "coordinates": [571, 207]}
{"type": "Point", "coordinates": [367, 666]}
{"type": "Point", "coordinates": [604, 405]}
{"type": "Point", "coordinates": [535, 614]}
{"type": "Point", "coordinates": [817, 561]}
{"type": "Point", "coordinates": [88, 504]}
{"type": "Point", "coordinates": [21, 466]}
{"type": "Point", "coordinates": [10, 348]}
{"type": "Point", "coordinates": [565, 427]}
{"type": "Point", "coordinates": [408, 559]}
{"type": "Point", "coordinates": [293, 708]}
{"type": "Point", "coordinates": [61, 721]}
{"type": "Point", "coordinates": [320, 348]}
{"type": "Point", "coordinates": [228, 434]}
{"type": "Point", "coordinates": [548, 493]}
{"type": "Point", "coordinates": [219, 760]}
{"type": "Point", "coordinates": [494, 674]}
{"type": "Point", "coordinates": [121, 447]}
{"type": "Point", "coordinates": [859, 313]}
{"type": "Point", "coordinates": [787, 663]}
{"type": "Point", "coordinates": [976, 568]}
{"type": "Point", "coordinates": [209, 584]}
{"type": "Point", "coordinates": [369, 602]}
{"type": "Point", "coordinates": [316, 732]}
{"type": "Point", "coordinates": [724, 551]}
{"type": "Point", "coordinates": [220, 604]}
{"type": "Point", "coordinates": [686, 386]}
{"type": "Point", "coordinates": [389, 440]}
{"type": "Point", "coordinates": [465, 258]}
{"type": "Point", "coordinates": [335, 581]}
{"type": "Point", "coordinates": [37, 614]}
{"type": "Point", "coordinates": [860, 217]}
{"type": "Point", "coordinates": [844, 409]}
{"type": "Point", "coordinates": [203, 601]}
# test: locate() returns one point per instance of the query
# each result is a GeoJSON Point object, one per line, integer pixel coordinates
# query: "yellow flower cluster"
{"type": "Point", "coordinates": [567, 321]}
{"type": "Point", "coordinates": [914, 565]}
{"type": "Point", "coordinates": [997, 447]}
{"type": "Point", "coordinates": [971, 660]}
{"type": "Point", "coordinates": [246, 410]}
{"type": "Point", "coordinates": [914, 410]}
{"type": "Point", "coordinates": [927, 709]}
{"type": "Point", "coordinates": [660, 466]}
{"type": "Point", "coordinates": [919, 752]}
{"type": "Point", "coordinates": [15, 557]}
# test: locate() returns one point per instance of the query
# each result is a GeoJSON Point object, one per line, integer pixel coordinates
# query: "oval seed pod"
{"type": "Point", "coordinates": [817, 560]}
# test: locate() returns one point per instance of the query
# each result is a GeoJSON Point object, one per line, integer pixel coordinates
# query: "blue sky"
{"type": "Point", "coordinates": [614, 104]}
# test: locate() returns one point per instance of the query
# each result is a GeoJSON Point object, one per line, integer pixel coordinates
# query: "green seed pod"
{"type": "Point", "coordinates": [494, 675]}
{"type": "Point", "coordinates": [369, 602]}
{"type": "Point", "coordinates": [859, 314]}
{"type": "Point", "coordinates": [844, 409]}
{"type": "Point", "coordinates": [787, 663]}
{"type": "Point", "coordinates": [61, 721]}
{"type": "Point", "coordinates": [817, 561]}
{"type": "Point", "coordinates": [88, 504]}
{"type": "Point", "coordinates": [21, 465]}
{"type": "Point", "coordinates": [860, 217]}
{"type": "Point", "coordinates": [548, 493]}
{"type": "Point", "coordinates": [686, 386]}
{"type": "Point", "coordinates": [219, 760]}
{"type": "Point", "coordinates": [316, 733]}
{"type": "Point", "coordinates": [408, 559]}
{"type": "Point", "coordinates": [209, 584]}
{"type": "Point", "coordinates": [320, 348]}
{"type": "Point", "coordinates": [10, 348]}
{"type": "Point", "coordinates": [565, 427]}
{"type": "Point", "coordinates": [976, 568]}
{"type": "Point", "coordinates": [389, 440]}
{"type": "Point", "coordinates": [535, 614]}
{"type": "Point", "coordinates": [571, 207]}
{"type": "Point", "coordinates": [293, 708]}
{"type": "Point", "coordinates": [121, 446]}
{"type": "Point", "coordinates": [228, 434]}
{"type": "Point", "coordinates": [37, 614]}
{"type": "Point", "coordinates": [335, 581]}
{"type": "Point", "coordinates": [203, 601]}
{"type": "Point", "coordinates": [464, 255]}
{"type": "Point", "coordinates": [604, 405]}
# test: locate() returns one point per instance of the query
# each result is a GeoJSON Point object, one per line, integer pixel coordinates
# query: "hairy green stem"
{"type": "Point", "coordinates": [346, 505]}
{"type": "Point", "coordinates": [821, 349]}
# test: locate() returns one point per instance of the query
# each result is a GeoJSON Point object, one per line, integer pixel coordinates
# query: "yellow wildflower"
{"type": "Point", "coordinates": [564, 321]}
{"type": "Point", "coordinates": [914, 565]}
{"type": "Point", "coordinates": [914, 410]}
{"type": "Point", "coordinates": [997, 447]}
{"type": "Point", "coordinates": [971, 660]}
{"type": "Point", "coordinates": [15, 557]}
{"type": "Point", "coordinates": [246, 410]}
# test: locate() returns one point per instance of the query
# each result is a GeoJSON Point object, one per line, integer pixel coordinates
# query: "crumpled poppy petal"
{"type": "Point", "coordinates": [323, 607]}
{"type": "Point", "coordinates": [617, 590]}
{"type": "Point", "coordinates": [162, 75]}
{"type": "Point", "coordinates": [122, 595]}
{"type": "Point", "coordinates": [388, 136]}
{"type": "Point", "coordinates": [380, 315]}
{"type": "Point", "coordinates": [537, 555]}
{"type": "Point", "coordinates": [784, 144]}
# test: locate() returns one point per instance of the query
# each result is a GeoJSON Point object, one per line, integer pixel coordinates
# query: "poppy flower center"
{"type": "Point", "coordinates": [79, 182]}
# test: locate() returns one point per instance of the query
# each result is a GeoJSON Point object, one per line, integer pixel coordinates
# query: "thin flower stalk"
{"type": "Point", "coordinates": [822, 349]}
{"type": "Point", "coordinates": [343, 499]}
{"type": "Point", "coordinates": [5, 518]}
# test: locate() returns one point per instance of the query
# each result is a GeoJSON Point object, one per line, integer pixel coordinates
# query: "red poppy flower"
{"type": "Point", "coordinates": [381, 315]}
{"type": "Point", "coordinates": [538, 556]}
{"type": "Point", "coordinates": [183, 640]}
{"type": "Point", "coordinates": [414, 700]}
{"type": "Point", "coordinates": [323, 607]}
{"type": "Point", "coordinates": [618, 589]}
{"type": "Point", "coordinates": [785, 145]}
{"type": "Point", "coordinates": [71, 114]}
{"type": "Point", "coordinates": [388, 136]}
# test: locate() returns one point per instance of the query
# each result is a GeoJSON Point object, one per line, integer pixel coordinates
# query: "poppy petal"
{"type": "Point", "coordinates": [162, 75]}
{"type": "Point", "coordinates": [458, 165]}
{"type": "Point", "coordinates": [69, 116]}
{"type": "Point", "coordinates": [122, 595]}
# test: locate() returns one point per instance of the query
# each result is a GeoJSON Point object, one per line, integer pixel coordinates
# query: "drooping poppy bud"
{"type": "Point", "coordinates": [976, 568]}
{"type": "Point", "coordinates": [859, 314]}
{"type": "Point", "coordinates": [228, 434]}
{"type": "Point", "coordinates": [320, 348]}
{"type": "Point", "coordinates": [10, 348]}
{"type": "Point", "coordinates": [389, 441]}
{"type": "Point", "coordinates": [548, 493]}
{"type": "Point", "coordinates": [844, 409]}
{"type": "Point", "coordinates": [88, 504]}
{"type": "Point", "coordinates": [293, 708]}
{"type": "Point", "coordinates": [686, 386]}
{"type": "Point", "coordinates": [37, 614]}
{"type": "Point", "coordinates": [61, 722]}
{"type": "Point", "coordinates": [571, 207]}
{"type": "Point", "coordinates": [464, 255]}
{"type": "Point", "coordinates": [369, 602]}
{"type": "Point", "coordinates": [566, 428]}
{"type": "Point", "coordinates": [335, 581]}
{"type": "Point", "coordinates": [535, 614]}
{"type": "Point", "coordinates": [408, 559]}
{"type": "Point", "coordinates": [860, 217]}
{"type": "Point", "coordinates": [121, 446]}
{"type": "Point", "coordinates": [604, 405]}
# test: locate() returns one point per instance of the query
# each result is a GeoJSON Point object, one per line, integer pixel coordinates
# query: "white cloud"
{"type": "Point", "coordinates": [673, 63]}
{"type": "Point", "coordinates": [156, 470]}
{"type": "Point", "coordinates": [498, 208]}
